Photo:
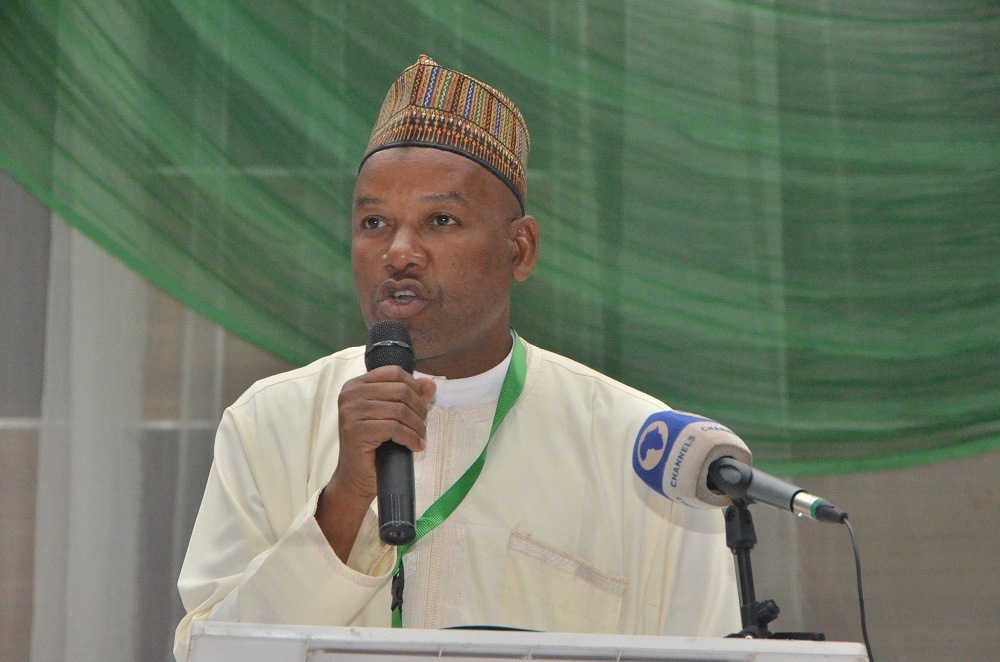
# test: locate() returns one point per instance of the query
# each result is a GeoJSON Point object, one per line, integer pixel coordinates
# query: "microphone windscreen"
{"type": "Point", "coordinates": [389, 343]}
{"type": "Point", "coordinates": [673, 451]}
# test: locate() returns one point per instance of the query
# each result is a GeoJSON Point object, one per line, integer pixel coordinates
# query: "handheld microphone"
{"type": "Point", "coordinates": [701, 463]}
{"type": "Point", "coordinates": [389, 343]}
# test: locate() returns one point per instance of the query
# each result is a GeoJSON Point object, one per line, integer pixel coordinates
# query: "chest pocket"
{"type": "Point", "coordinates": [550, 590]}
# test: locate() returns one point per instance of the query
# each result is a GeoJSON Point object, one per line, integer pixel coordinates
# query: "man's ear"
{"type": "Point", "coordinates": [524, 235]}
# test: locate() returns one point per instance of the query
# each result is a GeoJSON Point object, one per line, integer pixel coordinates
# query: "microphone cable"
{"type": "Point", "coordinates": [861, 595]}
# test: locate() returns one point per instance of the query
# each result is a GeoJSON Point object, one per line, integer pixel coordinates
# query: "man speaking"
{"type": "Point", "coordinates": [531, 515]}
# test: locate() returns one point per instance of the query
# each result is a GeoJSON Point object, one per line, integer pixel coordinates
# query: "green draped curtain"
{"type": "Point", "coordinates": [784, 215]}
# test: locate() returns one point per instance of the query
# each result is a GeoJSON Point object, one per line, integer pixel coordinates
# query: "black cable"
{"type": "Point", "coordinates": [861, 595]}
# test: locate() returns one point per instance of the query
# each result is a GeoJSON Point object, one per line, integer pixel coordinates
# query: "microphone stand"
{"type": "Point", "coordinates": [754, 615]}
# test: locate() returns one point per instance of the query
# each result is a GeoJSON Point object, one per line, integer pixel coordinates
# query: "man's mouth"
{"type": "Point", "coordinates": [404, 296]}
{"type": "Point", "coordinates": [398, 299]}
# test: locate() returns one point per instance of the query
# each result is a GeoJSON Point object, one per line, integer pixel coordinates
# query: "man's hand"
{"type": "Point", "coordinates": [386, 403]}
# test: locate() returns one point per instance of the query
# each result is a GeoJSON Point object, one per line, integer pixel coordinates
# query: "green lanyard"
{"type": "Point", "coordinates": [513, 383]}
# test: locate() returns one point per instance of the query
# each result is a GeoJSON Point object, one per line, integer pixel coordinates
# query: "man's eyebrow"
{"type": "Point", "coordinates": [367, 201]}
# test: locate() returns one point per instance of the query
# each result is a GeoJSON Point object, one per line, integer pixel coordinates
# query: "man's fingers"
{"type": "Point", "coordinates": [377, 407]}
{"type": "Point", "coordinates": [377, 389]}
{"type": "Point", "coordinates": [374, 433]}
{"type": "Point", "coordinates": [427, 389]}
{"type": "Point", "coordinates": [388, 373]}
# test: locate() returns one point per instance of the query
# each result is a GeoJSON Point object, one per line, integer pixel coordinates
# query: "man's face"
{"type": "Point", "coordinates": [437, 241]}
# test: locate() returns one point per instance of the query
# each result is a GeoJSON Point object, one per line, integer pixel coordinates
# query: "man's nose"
{"type": "Point", "coordinates": [405, 250]}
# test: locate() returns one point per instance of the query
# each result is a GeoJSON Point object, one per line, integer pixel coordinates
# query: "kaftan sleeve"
{"type": "Point", "coordinates": [239, 568]}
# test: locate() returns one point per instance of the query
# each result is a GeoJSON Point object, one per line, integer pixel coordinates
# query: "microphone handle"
{"type": "Point", "coordinates": [396, 499]}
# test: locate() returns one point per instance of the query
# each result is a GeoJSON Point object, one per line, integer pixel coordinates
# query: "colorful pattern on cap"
{"type": "Point", "coordinates": [437, 107]}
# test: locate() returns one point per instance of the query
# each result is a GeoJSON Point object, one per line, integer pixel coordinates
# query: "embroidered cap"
{"type": "Point", "coordinates": [432, 106]}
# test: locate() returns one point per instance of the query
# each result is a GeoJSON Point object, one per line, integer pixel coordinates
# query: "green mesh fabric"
{"type": "Point", "coordinates": [784, 215]}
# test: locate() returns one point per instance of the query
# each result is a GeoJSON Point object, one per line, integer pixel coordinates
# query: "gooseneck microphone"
{"type": "Point", "coordinates": [389, 343]}
{"type": "Point", "coordinates": [739, 480]}
{"type": "Point", "coordinates": [698, 462]}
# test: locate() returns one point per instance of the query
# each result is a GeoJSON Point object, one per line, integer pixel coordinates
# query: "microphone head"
{"type": "Point", "coordinates": [673, 451]}
{"type": "Point", "coordinates": [389, 343]}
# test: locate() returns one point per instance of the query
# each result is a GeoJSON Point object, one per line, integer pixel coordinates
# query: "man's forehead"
{"type": "Point", "coordinates": [426, 173]}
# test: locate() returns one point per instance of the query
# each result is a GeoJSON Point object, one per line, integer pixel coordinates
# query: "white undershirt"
{"type": "Point", "coordinates": [475, 390]}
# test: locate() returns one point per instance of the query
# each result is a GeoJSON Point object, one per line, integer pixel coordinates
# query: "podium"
{"type": "Point", "coordinates": [248, 642]}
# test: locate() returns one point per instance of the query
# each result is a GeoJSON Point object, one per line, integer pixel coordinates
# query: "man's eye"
{"type": "Point", "coordinates": [444, 219]}
{"type": "Point", "coordinates": [372, 223]}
